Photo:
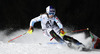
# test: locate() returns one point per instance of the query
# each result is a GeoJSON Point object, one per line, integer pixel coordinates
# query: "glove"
{"type": "Point", "coordinates": [30, 30]}
{"type": "Point", "coordinates": [62, 33]}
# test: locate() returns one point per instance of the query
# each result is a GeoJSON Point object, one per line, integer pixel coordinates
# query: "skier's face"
{"type": "Point", "coordinates": [50, 16]}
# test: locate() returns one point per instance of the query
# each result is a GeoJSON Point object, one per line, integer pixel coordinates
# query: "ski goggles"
{"type": "Point", "coordinates": [52, 13]}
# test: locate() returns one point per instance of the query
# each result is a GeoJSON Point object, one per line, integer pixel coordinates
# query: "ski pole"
{"type": "Point", "coordinates": [52, 38]}
{"type": "Point", "coordinates": [80, 30]}
{"type": "Point", "coordinates": [17, 37]}
{"type": "Point", "coordinates": [73, 31]}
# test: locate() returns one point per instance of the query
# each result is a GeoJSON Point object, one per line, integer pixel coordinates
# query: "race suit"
{"type": "Point", "coordinates": [47, 23]}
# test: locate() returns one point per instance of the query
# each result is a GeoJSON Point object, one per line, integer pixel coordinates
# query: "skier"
{"type": "Point", "coordinates": [48, 21]}
{"type": "Point", "coordinates": [49, 28]}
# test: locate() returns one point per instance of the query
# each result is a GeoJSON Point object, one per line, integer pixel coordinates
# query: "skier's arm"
{"type": "Point", "coordinates": [32, 22]}
{"type": "Point", "coordinates": [62, 33]}
{"type": "Point", "coordinates": [37, 19]}
{"type": "Point", "coordinates": [58, 23]}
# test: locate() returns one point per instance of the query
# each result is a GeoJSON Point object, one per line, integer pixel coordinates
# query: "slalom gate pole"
{"type": "Point", "coordinates": [17, 37]}
{"type": "Point", "coordinates": [74, 31]}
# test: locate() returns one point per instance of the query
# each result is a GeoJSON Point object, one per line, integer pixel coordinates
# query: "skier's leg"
{"type": "Point", "coordinates": [67, 38]}
{"type": "Point", "coordinates": [56, 37]}
{"type": "Point", "coordinates": [71, 39]}
{"type": "Point", "coordinates": [45, 32]}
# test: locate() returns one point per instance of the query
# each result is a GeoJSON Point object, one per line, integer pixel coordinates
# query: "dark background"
{"type": "Point", "coordinates": [79, 14]}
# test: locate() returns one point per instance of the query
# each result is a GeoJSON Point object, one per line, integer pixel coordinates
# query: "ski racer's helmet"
{"type": "Point", "coordinates": [50, 10]}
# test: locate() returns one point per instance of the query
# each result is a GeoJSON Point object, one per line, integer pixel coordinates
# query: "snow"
{"type": "Point", "coordinates": [36, 43]}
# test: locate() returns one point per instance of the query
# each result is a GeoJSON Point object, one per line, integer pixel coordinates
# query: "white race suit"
{"type": "Point", "coordinates": [47, 23]}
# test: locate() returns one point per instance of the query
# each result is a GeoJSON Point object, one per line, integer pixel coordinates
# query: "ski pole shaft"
{"type": "Point", "coordinates": [52, 38]}
{"type": "Point", "coordinates": [80, 30]}
{"type": "Point", "coordinates": [17, 37]}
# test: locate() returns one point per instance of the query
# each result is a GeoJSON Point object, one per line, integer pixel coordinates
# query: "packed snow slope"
{"type": "Point", "coordinates": [36, 43]}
